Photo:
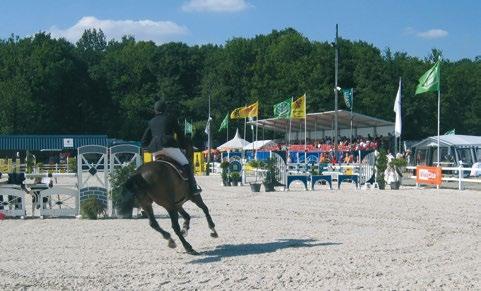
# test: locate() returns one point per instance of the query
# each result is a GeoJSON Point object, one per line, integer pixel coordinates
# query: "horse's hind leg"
{"type": "Point", "coordinates": [186, 225]}
{"type": "Point", "coordinates": [197, 199]}
{"type": "Point", "coordinates": [153, 223]}
{"type": "Point", "coordinates": [174, 217]}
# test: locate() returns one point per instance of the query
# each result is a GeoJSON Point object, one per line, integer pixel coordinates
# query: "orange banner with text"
{"type": "Point", "coordinates": [428, 175]}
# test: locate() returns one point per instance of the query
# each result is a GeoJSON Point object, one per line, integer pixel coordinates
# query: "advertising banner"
{"type": "Point", "coordinates": [428, 175]}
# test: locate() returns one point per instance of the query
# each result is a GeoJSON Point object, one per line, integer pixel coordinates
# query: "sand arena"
{"type": "Point", "coordinates": [347, 239]}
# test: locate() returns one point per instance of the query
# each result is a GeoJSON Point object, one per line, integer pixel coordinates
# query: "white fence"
{"type": "Point", "coordinates": [12, 202]}
{"type": "Point", "coordinates": [457, 174]}
{"type": "Point", "coordinates": [62, 202]}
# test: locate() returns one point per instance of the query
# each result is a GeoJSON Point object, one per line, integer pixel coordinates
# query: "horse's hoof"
{"type": "Point", "coordinates": [172, 244]}
{"type": "Point", "coordinates": [185, 232]}
{"type": "Point", "coordinates": [213, 232]}
{"type": "Point", "coordinates": [193, 252]}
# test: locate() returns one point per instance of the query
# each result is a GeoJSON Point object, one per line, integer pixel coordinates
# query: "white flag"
{"type": "Point", "coordinates": [252, 125]}
{"type": "Point", "coordinates": [207, 126]}
{"type": "Point", "coordinates": [397, 109]}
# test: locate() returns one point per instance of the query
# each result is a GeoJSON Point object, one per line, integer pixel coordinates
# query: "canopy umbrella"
{"type": "Point", "coordinates": [212, 151]}
{"type": "Point", "coordinates": [237, 143]}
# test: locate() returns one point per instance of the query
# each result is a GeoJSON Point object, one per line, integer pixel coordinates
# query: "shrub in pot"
{"type": "Point", "coordinates": [256, 186]}
{"type": "Point", "coordinates": [122, 200]}
{"type": "Point", "coordinates": [235, 178]}
{"type": "Point", "coordinates": [225, 173]}
{"type": "Point", "coordinates": [30, 162]}
{"type": "Point", "coordinates": [393, 173]}
{"type": "Point", "coordinates": [381, 164]}
{"type": "Point", "coordinates": [225, 179]}
{"type": "Point", "coordinates": [91, 208]}
{"type": "Point", "coordinates": [253, 163]}
{"type": "Point", "coordinates": [270, 175]}
{"type": "Point", "coordinates": [72, 165]}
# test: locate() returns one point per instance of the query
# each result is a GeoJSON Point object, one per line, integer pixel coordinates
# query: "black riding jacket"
{"type": "Point", "coordinates": [163, 132]}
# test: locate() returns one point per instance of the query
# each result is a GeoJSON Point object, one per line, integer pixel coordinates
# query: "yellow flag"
{"type": "Point", "coordinates": [236, 113]}
{"type": "Point", "coordinates": [247, 111]}
{"type": "Point", "coordinates": [250, 111]}
{"type": "Point", "coordinates": [298, 108]}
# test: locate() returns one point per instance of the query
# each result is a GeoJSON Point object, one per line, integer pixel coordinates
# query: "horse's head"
{"type": "Point", "coordinates": [126, 202]}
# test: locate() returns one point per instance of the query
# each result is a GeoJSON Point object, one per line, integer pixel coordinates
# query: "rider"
{"type": "Point", "coordinates": [164, 136]}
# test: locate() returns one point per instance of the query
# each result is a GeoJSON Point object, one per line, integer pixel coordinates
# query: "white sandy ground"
{"type": "Point", "coordinates": [348, 239]}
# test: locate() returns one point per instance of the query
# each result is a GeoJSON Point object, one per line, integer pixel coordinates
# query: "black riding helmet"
{"type": "Point", "coordinates": [160, 105]}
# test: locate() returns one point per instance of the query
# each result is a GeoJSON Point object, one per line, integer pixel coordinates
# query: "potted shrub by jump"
{"type": "Point", "coordinates": [381, 164]}
{"type": "Point", "coordinates": [393, 173]}
{"type": "Point", "coordinates": [123, 201]}
{"type": "Point", "coordinates": [225, 173]}
{"type": "Point", "coordinates": [255, 186]}
{"type": "Point", "coordinates": [235, 178]}
{"type": "Point", "coordinates": [91, 208]}
{"type": "Point", "coordinates": [270, 175]}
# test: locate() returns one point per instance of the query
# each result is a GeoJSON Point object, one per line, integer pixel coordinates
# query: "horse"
{"type": "Point", "coordinates": [161, 183]}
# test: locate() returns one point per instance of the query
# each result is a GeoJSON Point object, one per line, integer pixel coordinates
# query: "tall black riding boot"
{"type": "Point", "coordinates": [192, 183]}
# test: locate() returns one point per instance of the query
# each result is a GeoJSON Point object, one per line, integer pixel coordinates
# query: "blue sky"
{"type": "Point", "coordinates": [411, 26]}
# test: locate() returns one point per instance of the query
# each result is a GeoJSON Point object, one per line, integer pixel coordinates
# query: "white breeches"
{"type": "Point", "coordinates": [173, 153]}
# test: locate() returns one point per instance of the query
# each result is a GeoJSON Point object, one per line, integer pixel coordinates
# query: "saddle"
{"type": "Point", "coordinates": [171, 162]}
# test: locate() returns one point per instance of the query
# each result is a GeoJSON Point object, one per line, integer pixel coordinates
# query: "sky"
{"type": "Point", "coordinates": [408, 26]}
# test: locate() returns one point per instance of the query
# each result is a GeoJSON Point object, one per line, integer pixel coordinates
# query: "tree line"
{"type": "Point", "coordinates": [97, 86]}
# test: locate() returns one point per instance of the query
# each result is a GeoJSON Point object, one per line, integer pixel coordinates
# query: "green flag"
{"type": "Point", "coordinates": [187, 127]}
{"type": "Point", "coordinates": [225, 123]}
{"type": "Point", "coordinates": [283, 110]}
{"type": "Point", "coordinates": [347, 97]}
{"type": "Point", "coordinates": [430, 80]}
{"type": "Point", "coordinates": [450, 132]}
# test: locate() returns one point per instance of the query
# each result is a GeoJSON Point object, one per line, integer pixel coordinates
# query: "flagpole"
{"type": "Point", "coordinates": [336, 60]}
{"type": "Point", "coordinates": [257, 132]}
{"type": "Point", "coordinates": [305, 130]}
{"type": "Point", "coordinates": [352, 106]}
{"type": "Point", "coordinates": [395, 145]}
{"type": "Point", "coordinates": [245, 126]}
{"type": "Point", "coordinates": [208, 141]}
{"type": "Point", "coordinates": [227, 138]}
{"type": "Point", "coordinates": [395, 136]}
{"type": "Point", "coordinates": [290, 124]}
{"type": "Point", "coordinates": [257, 127]}
{"type": "Point", "coordinates": [439, 115]}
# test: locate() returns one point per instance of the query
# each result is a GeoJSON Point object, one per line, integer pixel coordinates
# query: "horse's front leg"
{"type": "Point", "coordinates": [197, 199]}
{"type": "Point", "coordinates": [174, 217]}
{"type": "Point", "coordinates": [153, 223]}
{"type": "Point", "coordinates": [186, 225]}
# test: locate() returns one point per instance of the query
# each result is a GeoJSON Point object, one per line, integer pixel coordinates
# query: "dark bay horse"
{"type": "Point", "coordinates": [159, 182]}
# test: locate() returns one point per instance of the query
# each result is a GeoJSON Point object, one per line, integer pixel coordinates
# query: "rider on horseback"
{"type": "Point", "coordinates": [164, 136]}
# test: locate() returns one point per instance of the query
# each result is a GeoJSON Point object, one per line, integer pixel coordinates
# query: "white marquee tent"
{"type": "Point", "coordinates": [237, 143]}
